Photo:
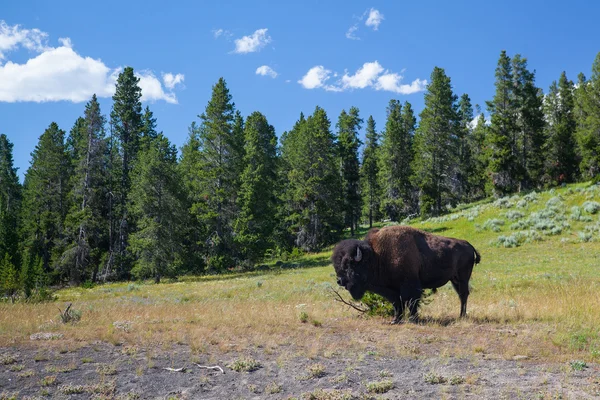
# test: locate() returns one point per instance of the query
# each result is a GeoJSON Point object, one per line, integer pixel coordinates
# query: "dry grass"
{"type": "Point", "coordinates": [538, 300]}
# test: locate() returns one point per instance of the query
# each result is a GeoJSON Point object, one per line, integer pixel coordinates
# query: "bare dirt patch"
{"type": "Point", "coordinates": [102, 370]}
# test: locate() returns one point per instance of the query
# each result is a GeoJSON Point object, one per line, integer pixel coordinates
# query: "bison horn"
{"type": "Point", "coordinates": [358, 255]}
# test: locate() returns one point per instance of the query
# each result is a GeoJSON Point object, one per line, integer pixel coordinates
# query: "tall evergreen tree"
{"type": "Point", "coordinates": [218, 175]}
{"type": "Point", "coordinates": [395, 162]}
{"type": "Point", "coordinates": [86, 223]}
{"type": "Point", "coordinates": [465, 162]}
{"type": "Point", "coordinates": [45, 198]}
{"type": "Point", "coordinates": [313, 190]}
{"type": "Point", "coordinates": [588, 117]}
{"type": "Point", "coordinates": [371, 190]}
{"type": "Point", "coordinates": [503, 161]}
{"type": "Point", "coordinates": [148, 128]}
{"type": "Point", "coordinates": [436, 144]}
{"type": "Point", "coordinates": [479, 156]}
{"type": "Point", "coordinates": [195, 233]}
{"type": "Point", "coordinates": [10, 205]}
{"type": "Point", "coordinates": [157, 203]}
{"type": "Point", "coordinates": [561, 160]}
{"type": "Point", "coordinates": [530, 136]}
{"type": "Point", "coordinates": [257, 199]}
{"type": "Point", "coordinates": [348, 126]}
{"type": "Point", "coordinates": [126, 121]}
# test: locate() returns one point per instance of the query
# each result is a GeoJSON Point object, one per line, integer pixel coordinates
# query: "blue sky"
{"type": "Point", "coordinates": [335, 54]}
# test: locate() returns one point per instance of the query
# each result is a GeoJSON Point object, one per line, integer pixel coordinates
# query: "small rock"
{"type": "Point", "coordinates": [45, 336]}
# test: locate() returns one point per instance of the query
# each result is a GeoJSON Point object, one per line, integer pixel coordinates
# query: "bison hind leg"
{"type": "Point", "coordinates": [462, 288]}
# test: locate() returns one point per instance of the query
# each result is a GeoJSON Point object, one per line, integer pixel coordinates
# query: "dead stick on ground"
{"type": "Point", "coordinates": [207, 367]}
{"type": "Point", "coordinates": [176, 369]}
{"type": "Point", "coordinates": [341, 299]}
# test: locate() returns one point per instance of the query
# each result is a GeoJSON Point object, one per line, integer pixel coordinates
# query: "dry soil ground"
{"type": "Point", "coordinates": [102, 370]}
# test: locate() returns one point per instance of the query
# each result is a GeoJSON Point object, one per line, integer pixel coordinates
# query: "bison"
{"type": "Point", "coordinates": [398, 262]}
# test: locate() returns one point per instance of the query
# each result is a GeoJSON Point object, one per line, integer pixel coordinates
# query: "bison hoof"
{"type": "Point", "coordinates": [396, 322]}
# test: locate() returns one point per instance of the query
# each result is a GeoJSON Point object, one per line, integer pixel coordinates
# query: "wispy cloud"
{"type": "Point", "coordinates": [61, 74]}
{"type": "Point", "coordinates": [217, 33]}
{"type": "Point", "coordinates": [350, 33]}
{"type": "Point", "coordinates": [13, 37]}
{"type": "Point", "coordinates": [370, 75]}
{"type": "Point", "coordinates": [374, 20]}
{"type": "Point", "coordinates": [252, 43]}
{"type": "Point", "coordinates": [265, 70]}
{"type": "Point", "coordinates": [171, 80]}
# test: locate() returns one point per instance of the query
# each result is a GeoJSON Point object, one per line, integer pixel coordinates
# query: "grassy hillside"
{"type": "Point", "coordinates": [536, 293]}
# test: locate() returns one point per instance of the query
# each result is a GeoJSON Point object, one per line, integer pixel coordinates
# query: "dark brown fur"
{"type": "Point", "coordinates": [398, 262]}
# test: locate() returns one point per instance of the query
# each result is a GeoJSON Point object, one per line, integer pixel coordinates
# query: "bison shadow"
{"type": "Point", "coordinates": [448, 320]}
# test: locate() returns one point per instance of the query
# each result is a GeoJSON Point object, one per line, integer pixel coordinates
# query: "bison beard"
{"type": "Point", "coordinates": [398, 262]}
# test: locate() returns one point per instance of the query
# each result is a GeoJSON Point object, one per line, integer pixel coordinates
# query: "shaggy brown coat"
{"type": "Point", "coordinates": [398, 262]}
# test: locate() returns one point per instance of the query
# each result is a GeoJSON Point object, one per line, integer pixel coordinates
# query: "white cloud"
{"type": "Point", "coordinates": [365, 76]}
{"type": "Point", "coordinates": [61, 74]}
{"type": "Point", "coordinates": [12, 37]}
{"type": "Point", "coordinates": [392, 83]}
{"type": "Point", "coordinates": [375, 18]}
{"type": "Point", "coordinates": [171, 80]}
{"type": "Point", "coordinates": [371, 74]}
{"type": "Point", "coordinates": [475, 121]}
{"type": "Point", "coordinates": [315, 77]}
{"type": "Point", "coordinates": [350, 33]}
{"type": "Point", "coordinates": [265, 70]}
{"type": "Point", "coordinates": [252, 43]}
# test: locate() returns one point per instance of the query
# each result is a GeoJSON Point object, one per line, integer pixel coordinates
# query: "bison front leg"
{"type": "Point", "coordinates": [393, 297]}
{"type": "Point", "coordinates": [411, 297]}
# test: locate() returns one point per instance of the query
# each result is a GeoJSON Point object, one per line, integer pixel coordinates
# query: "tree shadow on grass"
{"type": "Point", "coordinates": [263, 270]}
{"type": "Point", "coordinates": [436, 230]}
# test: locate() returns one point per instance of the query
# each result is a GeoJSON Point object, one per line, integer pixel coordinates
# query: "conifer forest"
{"type": "Point", "coordinates": [111, 198]}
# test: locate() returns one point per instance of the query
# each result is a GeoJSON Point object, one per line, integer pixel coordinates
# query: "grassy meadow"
{"type": "Point", "coordinates": [535, 295]}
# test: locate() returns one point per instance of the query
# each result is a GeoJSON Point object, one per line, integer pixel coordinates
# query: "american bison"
{"type": "Point", "coordinates": [398, 262]}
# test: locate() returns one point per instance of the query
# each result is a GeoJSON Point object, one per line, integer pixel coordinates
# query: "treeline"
{"type": "Point", "coordinates": [110, 200]}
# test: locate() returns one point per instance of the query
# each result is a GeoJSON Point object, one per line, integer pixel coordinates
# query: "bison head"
{"type": "Point", "coordinates": [351, 260]}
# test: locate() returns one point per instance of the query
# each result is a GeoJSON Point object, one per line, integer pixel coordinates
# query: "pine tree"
{"type": "Point", "coordinates": [588, 121]}
{"type": "Point", "coordinates": [504, 170]}
{"type": "Point", "coordinates": [465, 162]}
{"type": "Point", "coordinates": [10, 204]}
{"type": "Point", "coordinates": [126, 121]}
{"type": "Point", "coordinates": [148, 128]}
{"type": "Point", "coordinates": [395, 162]}
{"type": "Point", "coordinates": [561, 159]}
{"type": "Point", "coordinates": [193, 239]}
{"type": "Point", "coordinates": [86, 222]}
{"type": "Point", "coordinates": [45, 198]}
{"type": "Point", "coordinates": [479, 155]}
{"type": "Point", "coordinates": [9, 278]}
{"type": "Point", "coordinates": [371, 190]}
{"type": "Point", "coordinates": [313, 190]}
{"type": "Point", "coordinates": [348, 126]}
{"type": "Point", "coordinates": [436, 145]}
{"type": "Point", "coordinates": [530, 136]}
{"type": "Point", "coordinates": [257, 199]}
{"type": "Point", "coordinates": [157, 203]}
{"type": "Point", "coordinates": [218, 175]}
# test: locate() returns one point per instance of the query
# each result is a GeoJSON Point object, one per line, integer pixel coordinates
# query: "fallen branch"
{"type": "Point", "coordinates": [341, 300]}
{"type": "Point", "coordinates": [207, 367]}
{"type": "Point", "coordinates": [182, 369]}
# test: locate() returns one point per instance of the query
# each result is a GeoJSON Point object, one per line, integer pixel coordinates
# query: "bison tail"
{"type": "Point", "coordinates": [477, 256]}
